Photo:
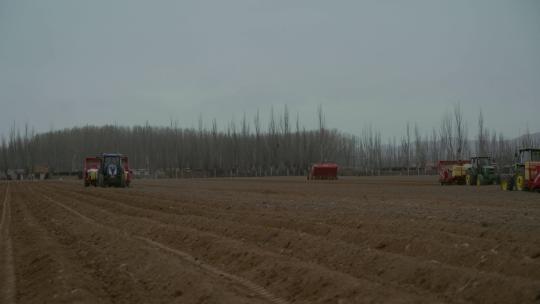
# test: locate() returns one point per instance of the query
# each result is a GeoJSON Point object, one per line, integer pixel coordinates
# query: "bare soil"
{"type": "Point", "coordinates": [269, 240]}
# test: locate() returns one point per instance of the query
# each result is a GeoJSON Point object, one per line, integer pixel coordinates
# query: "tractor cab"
{"type": "Point", "coordinates": [112, 159]}
{"type": "Point", "coordinates": [528, 155]}
{"type": "Point", "coordinates": [112, 165]}
{"type": "Point", "coordinates": [481, 161]}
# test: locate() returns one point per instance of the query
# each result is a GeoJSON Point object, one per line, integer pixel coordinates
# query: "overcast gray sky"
{"type": "Point", "coordinates": [67, 63]}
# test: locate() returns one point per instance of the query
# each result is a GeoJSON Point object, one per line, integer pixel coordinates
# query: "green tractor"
{"type": "Point", "coordinates": [482, 171]}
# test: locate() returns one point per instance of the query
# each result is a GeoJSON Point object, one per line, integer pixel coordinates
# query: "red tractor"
{"type": "Point", "coordinates": [452, 171]}
{"type": "Point", "coordinates": [323, 171]}
{"type": "Point", "coordinates": [525, 173]}
{"type": "Point", "coordinates": [107, 169]}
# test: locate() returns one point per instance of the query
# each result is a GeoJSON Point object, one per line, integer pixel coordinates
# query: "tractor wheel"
{"type": "Point", "coordinates": [100, 181]}
{"type": "Point", "coordinates": [504, 185]}
{"type": "Point", "coordinates": [480, 180]}
{"type": "Point", "coordinates": [470, 180]}
{"type": "Point", "coordinates": [473, 179]}
{"type": "Point", "coordinates": [520, 183]}
{"type": "Point", "coordinates": [122, 181]}
{"type": "Point", "coordinates": [507, 183]}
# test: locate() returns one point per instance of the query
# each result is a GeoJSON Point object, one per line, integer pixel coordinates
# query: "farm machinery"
{"type": "Point", "coordinates": [323, 171]}
{"type": "Point", "coordinates": [525, 173]}
{"type": "Point", "coordinates": [90, 171]}
{"type": "Point", "coordinates": [481, 171]}
{"type": "Point", "coordinates": [107, 169]}
{"type": "Point", "coordinates": [452, 171]}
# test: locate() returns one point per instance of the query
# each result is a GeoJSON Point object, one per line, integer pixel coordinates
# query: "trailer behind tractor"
{"type": "Point", "coordinates": [452, 171]}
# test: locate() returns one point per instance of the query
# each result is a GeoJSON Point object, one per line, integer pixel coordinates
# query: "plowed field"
{"type": "Point", "coordinates": [273, 240]}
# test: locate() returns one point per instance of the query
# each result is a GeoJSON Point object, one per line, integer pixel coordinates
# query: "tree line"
{"type": "Point", "coordinates": [247, 148]}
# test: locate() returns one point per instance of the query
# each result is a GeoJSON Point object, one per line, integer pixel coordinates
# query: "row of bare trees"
{"type": "Point", "coordinates": [247, 148]}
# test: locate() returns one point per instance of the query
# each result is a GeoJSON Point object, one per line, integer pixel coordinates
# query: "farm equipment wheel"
{"type": "Point", "coordinates": [520, 183]}
{"type": "Point", "coordinates": [123, 181]}
{"type": "Point", "coordinates": [505, 185]}
{"type": "Point", "coordinates": [480, 180]}
{"type": "Point", "coordinates": [100, 181]}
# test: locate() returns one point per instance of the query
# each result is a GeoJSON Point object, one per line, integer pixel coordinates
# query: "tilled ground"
{"type": "Point", "coordinates": [273, 240]}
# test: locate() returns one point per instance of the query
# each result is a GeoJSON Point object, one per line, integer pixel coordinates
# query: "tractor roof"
{"type": "Point", "coordinates": [112, 155]}
{"type": "Point", "coordinates": [326, 164]}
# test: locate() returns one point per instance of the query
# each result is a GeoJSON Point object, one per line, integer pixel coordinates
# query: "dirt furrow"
{"type": "Point", "coordinates": [269, 268]}
{"type": "Point", "coordinates": [483, 255]}
{"type": "Point", "coordinates": [388, 239]}
{"type": "Point", "coordinates": [47, 271]}
{"type": "Point", "coordinates": [7, 279]}
{"type": "Point", "coordinates": [469, 231]}
{"type": "Point", "coordinates": [262, 292]}
{"type": "Point", "coordinates": [420, 271]}
{"type": "Point", "coordinates": [134, 271]}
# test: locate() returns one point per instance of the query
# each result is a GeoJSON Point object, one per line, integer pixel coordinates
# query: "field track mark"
{"type": "Point", "coordinates": [329, 267]}
{"type": "Point", "coordinates": [387, 254]}
{"type": "Point", "coordinates": [336, 229]}
{"type": "Point", "coordinates": [306, 219]}
{"type": "Point", "coordinates": [250, 285]}
{"type": "Point", "coordinates": [414, 289]}
{"type": "Point", "coordinates": [8, 276]}
{"type": "Point", "coordinates": [183, 255]}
